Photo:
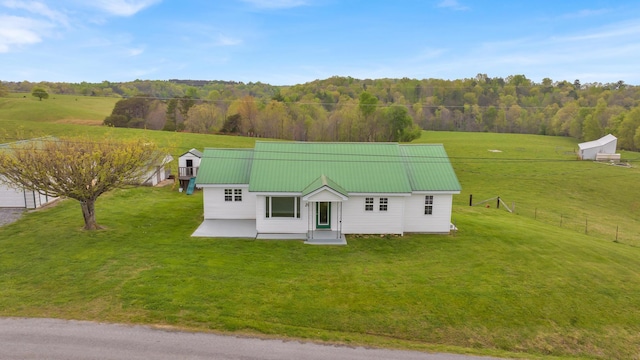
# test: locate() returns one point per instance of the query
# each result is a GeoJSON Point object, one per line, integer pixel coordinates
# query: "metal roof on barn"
{"type": "Point", "coordinates": [352, 167]}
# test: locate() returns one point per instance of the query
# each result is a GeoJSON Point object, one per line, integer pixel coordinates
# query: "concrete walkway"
{"type": "Point", "coordinates": [9, 215]}
{"type": "Point", "coordinates": [246, 229]}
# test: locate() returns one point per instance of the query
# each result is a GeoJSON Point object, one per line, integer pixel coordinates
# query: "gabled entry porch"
{"type": "Point", "coordinates": [324, 200]}
{"type": "Point", "coordinates": [325, 223]}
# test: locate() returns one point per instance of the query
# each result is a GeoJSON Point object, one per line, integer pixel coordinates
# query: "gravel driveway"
{"type": "Point", "coordinates": [9, 215]}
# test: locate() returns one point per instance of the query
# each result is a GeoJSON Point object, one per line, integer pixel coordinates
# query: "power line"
{"type": "Point", "coordinates": [381, 158]}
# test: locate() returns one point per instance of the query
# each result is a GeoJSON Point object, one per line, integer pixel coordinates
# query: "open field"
{"type": "Point", "coordinates": [517, 285]}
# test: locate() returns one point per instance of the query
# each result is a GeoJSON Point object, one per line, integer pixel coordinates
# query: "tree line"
{"type": "Point", "coordinates": [349, 109]}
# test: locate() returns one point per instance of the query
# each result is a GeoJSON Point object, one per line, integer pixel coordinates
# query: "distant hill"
{"type": "Point", "coordinates": [329, 109]}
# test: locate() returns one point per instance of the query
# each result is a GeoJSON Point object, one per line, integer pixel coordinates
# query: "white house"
{"type": "Point", "coordinates": [188, 165]}
{"type": "Point", "coordinates": [321, 191]}
{"type": "Point", "coordinates": [605, 145]}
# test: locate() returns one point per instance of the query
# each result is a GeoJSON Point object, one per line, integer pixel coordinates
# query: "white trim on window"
{"type": "Point", "coordinates": [428, 205]}
{"type": "Point", "coordinates": [368, 204]}
{"type": "Point", "coordinates": [384, 204]}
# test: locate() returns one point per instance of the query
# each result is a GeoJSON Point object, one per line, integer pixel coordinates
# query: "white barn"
{"type": "Point", "coordinates": [320, 191]}
{"type": "Point", "coordinates": [158, 173]}
{"type": "Point", "coordinates": [14, 196]}
{"type": "Point", "coordinates": [591, 149]}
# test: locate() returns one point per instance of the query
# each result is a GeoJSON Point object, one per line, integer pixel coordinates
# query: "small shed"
{"type": "Point", "coordinates": [605, 145]}
{"type": "Point", "coordinates": [158, 172]}
{"type": "Point", "coordinates": [188, 165]}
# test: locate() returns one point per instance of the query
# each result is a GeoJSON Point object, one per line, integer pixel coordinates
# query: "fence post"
{"type": "Point", "coordinates": [470, 199]}
{"type": "Point", "coordinates": [586, 225]}
{"type": "Point", "coordinates": [498, 203]}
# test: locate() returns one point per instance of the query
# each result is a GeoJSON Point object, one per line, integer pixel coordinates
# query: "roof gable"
{"type": "Point", "coordinates": [194, 152]}
{"type": "Point", "coordinates": [607, 139]}
{"type": "Point", "coordinates": [323, 185]}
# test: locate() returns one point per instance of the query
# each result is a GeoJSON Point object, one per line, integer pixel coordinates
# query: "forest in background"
{"type": "Point", "coordinates": [349, 109]}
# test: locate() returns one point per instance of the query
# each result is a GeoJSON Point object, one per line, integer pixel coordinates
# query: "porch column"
{"type": "Point", "coordinates": [310, 219]}
{"type": "Point", "coordinates": [339, 219]}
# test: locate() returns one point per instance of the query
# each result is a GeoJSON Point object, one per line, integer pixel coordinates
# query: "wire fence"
{"type": "Point", "coordinates": [617, 231]}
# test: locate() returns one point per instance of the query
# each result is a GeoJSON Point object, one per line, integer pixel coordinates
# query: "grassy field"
{"type": "Point", "coordinates": [506, 284]}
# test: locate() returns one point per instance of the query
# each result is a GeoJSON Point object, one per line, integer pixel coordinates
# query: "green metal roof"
{"type": "Point", "coordinates": [428, 168]}
{"type": "Point", "coordinates": [225, 166]}
{"type": "Point", "coordinates": [324, 181]}
{"type": "Point", "coordinates": [357, 167]}
{"type": "Point", "coordinates": [304, 167]}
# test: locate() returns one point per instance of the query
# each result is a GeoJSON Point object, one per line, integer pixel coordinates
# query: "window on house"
{"type": "Point", "coordinates": [368, 204]}
{"type": "Point", "coordinates": [383, 204]}
{"type": "Point", "coordinates": [428, 205]}
{"type": "Point", "coordinates": [232, 194]}
{"type": "Point", "coordinates": [282, 207]}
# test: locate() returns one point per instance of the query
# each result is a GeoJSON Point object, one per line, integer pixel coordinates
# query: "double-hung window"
{"type": "Point", "coordinates": [232, 194]}
{"type": "Point", "coordinates": [383, 204]}
{"type": "Point", "coordinates": [368, 204]}
{"type": "Point", "coordinates": [428, 205]}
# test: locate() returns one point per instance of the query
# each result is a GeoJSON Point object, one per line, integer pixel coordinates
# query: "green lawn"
{"type": "Point", "coordinates": [505, 284]}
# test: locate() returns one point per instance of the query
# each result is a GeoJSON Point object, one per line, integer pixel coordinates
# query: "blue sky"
{"type": "Point", "coordinates": [286, 42]}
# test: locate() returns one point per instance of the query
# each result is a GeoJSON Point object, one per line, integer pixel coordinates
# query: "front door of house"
{"type": "Point", "coordinates": [323, 215]}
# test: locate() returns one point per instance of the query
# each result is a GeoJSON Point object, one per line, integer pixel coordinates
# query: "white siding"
{"type": "Point", "coordinates": [279, 225]}
{"type": "Point", "coordinates": [216, 208]}
{"type": "Point", "coordinates": [19, 198]}
{"type": "Point", "coordinates": [154, 176]}
{"type": "Point", "coordinates": [438, 222]}
{"type": "Point", "coordinates": [182, 160]}
{"type": "Point", "coordinates": [357, 221]}
{"type": "Point", "coordinates": [11, 197]}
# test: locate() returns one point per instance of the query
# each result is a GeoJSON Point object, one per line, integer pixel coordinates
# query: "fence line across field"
{"type": "Point", "coordinates": [582, 224]}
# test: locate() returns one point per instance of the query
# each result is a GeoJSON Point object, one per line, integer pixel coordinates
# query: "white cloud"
{"type": "Point", "coordinates": [16, 31]}
{"type": "Point", "coordinates": [585, 13]}
{"type": "Point", "coordinates": [452, 4]}
{"type": "Point", "coordinates": [135, 52]}
{"type": "Point", "coordinates": [276, 4]}
{"type": "Point", "coordinates": [123, 7]}
{"type": "Point", "coordinates": [37, 8]}
{"type": "Point", "coordinates": [227, 41]}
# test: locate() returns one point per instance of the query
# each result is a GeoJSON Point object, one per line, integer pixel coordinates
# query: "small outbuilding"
{"type": "Point", "coordinates": [16, 196]}
{"type": "Point", "coordinates": [188, 165]}
{"type": "Point", "coordinates": [591, 150]}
